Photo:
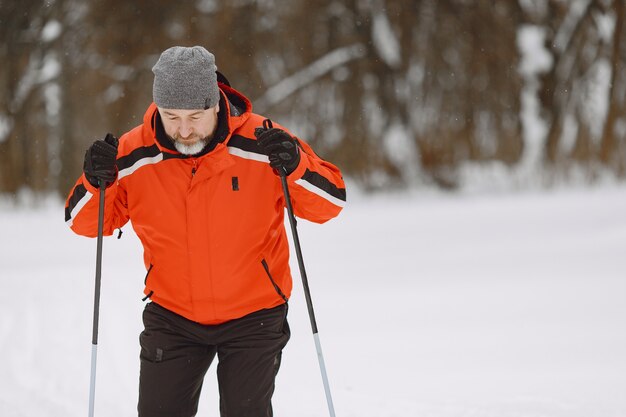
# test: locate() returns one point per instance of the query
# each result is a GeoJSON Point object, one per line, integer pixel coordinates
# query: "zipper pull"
{"type": "Point", "coordinates": [193, 169]}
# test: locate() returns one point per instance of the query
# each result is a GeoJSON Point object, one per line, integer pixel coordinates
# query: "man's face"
{"type": "Point", "coordinates": [190, 130]}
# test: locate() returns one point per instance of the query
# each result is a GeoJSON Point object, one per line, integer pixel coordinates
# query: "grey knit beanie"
{"type": "Point", "coordinates": [185, 78]}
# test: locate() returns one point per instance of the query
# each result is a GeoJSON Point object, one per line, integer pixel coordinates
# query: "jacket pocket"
{"type": "Point", "coordinates": [145, 282]}
{"type": "Point", "coordinates": [274, 284]}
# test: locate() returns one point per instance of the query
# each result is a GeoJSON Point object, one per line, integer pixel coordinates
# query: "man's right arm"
{"type": "Point", "coordinates": [81, 206]}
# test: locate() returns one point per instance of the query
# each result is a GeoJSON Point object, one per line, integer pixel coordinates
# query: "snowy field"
{"type": "Point", "coordinates": [508, 305]}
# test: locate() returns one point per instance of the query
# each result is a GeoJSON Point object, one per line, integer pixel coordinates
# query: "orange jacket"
{"type": "Point", "coordinates": [212, 227]}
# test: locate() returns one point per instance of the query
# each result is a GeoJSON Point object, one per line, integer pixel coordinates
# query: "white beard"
{"type": "Point", "coordinates": [193, 149]}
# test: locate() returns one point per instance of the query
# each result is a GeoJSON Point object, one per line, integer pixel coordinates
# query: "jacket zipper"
{"type": "Point", "coordinates": [145, 282]}
{"type": "Point", "coordinates": [276, 287]}
{"type": "Point", "coordinates": [194, 168]}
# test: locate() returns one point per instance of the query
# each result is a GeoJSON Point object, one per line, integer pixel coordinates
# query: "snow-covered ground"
{"type": "Point", "coordinates": [509, 305]}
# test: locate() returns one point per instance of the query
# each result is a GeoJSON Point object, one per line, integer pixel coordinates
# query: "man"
{"type": "Point", "coordinates": [198, 181]}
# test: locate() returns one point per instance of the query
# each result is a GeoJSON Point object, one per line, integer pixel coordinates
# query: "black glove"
{"type": "Point", "coordinates": [100, 161]}
{"type": "Point", "coordinates": [280, 147]}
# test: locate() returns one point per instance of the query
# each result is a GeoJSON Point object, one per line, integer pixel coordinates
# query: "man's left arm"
{"type": "Point", "coordinates": [317, 189]}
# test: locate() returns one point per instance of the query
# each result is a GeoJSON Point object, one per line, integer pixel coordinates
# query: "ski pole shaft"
{"type": "Point", "coordinates": [307, 291]}
{"type": "Point", "coordinates": [96, 301]}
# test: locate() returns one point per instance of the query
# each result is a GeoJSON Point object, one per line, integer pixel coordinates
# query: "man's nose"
{"type": "Point", "coordinates": [185, 130]}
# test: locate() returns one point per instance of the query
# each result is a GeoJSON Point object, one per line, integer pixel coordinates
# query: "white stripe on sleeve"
{"type": "Point", "coordinates": [248, 155]}
{"type": "Point", "coordinates": [78, 207]}
{"type": "Point", "coordinates": [315, 190]}
{"type": "Point", "coordinates": [142, 162]}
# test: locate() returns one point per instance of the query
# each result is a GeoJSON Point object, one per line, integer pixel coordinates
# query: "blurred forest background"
{"type": "Point", "coordinates": [398, 93]}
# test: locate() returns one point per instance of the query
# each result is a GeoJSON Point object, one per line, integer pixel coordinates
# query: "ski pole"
{"type": "Point", "coordinates": [307, 292]}
{"type": "Point", "coordinates": [96, 302]}
{"type": "Point", "coordinates": [267, 124]}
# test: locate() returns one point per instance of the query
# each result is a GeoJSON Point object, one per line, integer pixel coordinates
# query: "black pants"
{"type": "Point", "coordinates": [176, 354]}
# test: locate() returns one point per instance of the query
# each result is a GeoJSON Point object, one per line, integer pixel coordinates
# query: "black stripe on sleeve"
{"type": "Point", "coordinates": [139, 153]}
{"type": "Point", "coordinates": [77, 195]}
{"type": "Point", "coordinates": [250, 145]}
{"type": "Point", "coordinates": [245, 144]}
{"type": "Point", "coordinates": [323, 184]}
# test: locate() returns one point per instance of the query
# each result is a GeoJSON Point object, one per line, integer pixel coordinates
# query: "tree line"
{"type": "Point", "coordinates": [396, 92]}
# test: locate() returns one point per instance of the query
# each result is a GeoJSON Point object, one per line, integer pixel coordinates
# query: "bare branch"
{"type": "Point", "coordinates": [308, 75]}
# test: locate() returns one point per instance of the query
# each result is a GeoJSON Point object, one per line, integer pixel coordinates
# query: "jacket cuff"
{"type": "Point", "coordinates": [303, 165]}
{"type": "Point", "coordinates": [91, 188]}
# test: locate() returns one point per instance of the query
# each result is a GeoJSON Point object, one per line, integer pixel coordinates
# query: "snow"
{"type": "Point", "coordinates": [535, 59]}
{"type": "Point", "coordinates": [597, 97]}
{"type": "Point", "coordinates": [50, 69]}
{"type": "Point", "coordinates": [207, 6]}
{"type": "Point", "coordinates": [401, 149]}
{"type": "Point", "coordinates": [384, 40]}
{"type": "Point", "coordinates": [51, 31]}
{"type": "Point", "coordinates": [6, 124]}
{"type": "Point", "coordinates": [501, 305]}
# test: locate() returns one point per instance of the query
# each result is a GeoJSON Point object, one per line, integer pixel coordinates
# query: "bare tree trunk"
{"type": "Point", "coordinates": [616, 102]}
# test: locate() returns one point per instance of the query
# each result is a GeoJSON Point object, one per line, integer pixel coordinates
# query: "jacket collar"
{"type": "Point", "coordinates": [235, 109]}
